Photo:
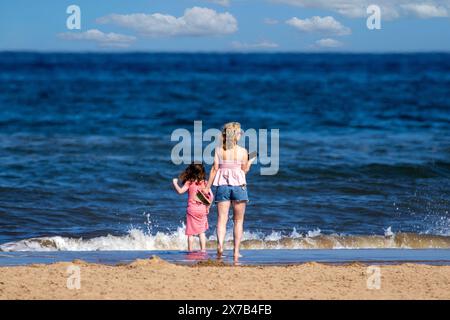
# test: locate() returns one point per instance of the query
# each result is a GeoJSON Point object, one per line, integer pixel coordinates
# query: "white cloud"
{"type": "Point", "coordinates": [348, 8]}
{"type": "Point", "coordinates": [327, 43]}
{"type": "Point", "coordinates": [270, 21]}
{"type": "Point", "coordinates": [103, 39]}
{"type": "Point", "coordinates": [390, 9]}
{"type": "Point", "coordinates": [258, 45]}
{"type": "Point", "coordinates": [196, 21]}
{"type": "Point", "coordinates": [325, 25]}
{"type": "Point", "coordinates": [223, 3]}
{"type": "Point", "coordinates": [426, 10]}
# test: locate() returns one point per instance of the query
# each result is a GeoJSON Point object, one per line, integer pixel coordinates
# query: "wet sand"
{"type": "Point", "coordinates": [157, 279]}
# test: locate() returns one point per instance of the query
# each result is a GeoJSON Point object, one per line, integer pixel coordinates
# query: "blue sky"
{"type": "Point", "coordinates": [226, 25]}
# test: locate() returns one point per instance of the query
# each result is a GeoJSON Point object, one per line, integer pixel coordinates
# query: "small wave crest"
{"type": "Point", "coordinates": [137, 239]}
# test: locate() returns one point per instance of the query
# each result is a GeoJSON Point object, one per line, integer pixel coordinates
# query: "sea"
{"type": "Point", "coordinates": [86, 149]}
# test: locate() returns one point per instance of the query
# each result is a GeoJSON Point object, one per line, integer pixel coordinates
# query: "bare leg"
{"type": "Point", "coordinates": [238, 217]}
{"type": "Point", "coordinates": [223, 208]}
{"type": "Point", "coordinates": [190, 243]}
{"type": "Point", "coordinates": [202, 242]}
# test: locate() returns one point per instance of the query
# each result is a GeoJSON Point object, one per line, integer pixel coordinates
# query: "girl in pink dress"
{"type": "Point", "coordinates": [194, 180]}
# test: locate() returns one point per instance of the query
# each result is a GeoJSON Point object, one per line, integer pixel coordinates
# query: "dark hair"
{"type": "Point", "coordinates": [195, 172]}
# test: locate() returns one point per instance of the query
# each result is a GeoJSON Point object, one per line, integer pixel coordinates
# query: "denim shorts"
{"type": "Point", "coordinates": [230, 193]}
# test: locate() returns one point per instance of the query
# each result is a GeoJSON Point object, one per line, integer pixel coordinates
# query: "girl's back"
{"type": "Point", "coordinates": [194, 187]}
{"type": "Point", "coordinates": [236, 154]}
{"type": "Point", "coordinates": [229, 170]}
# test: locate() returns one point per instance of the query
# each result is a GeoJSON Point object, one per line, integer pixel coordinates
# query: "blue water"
{"type": "Point", "coordinates": [250, 257]}
{"type": "Point", "coordinates": [85, 146]}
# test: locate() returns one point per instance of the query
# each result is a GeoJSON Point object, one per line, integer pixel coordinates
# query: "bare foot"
{"type": "Point", "coordinates": [236, 256]}
{"type": "Point", "coordinates": [219, 251]}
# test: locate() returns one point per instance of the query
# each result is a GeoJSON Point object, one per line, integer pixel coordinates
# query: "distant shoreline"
{"type": "Point", "coordinates": [325, 53]}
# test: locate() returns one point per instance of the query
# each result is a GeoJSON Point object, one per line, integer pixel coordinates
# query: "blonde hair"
{"type": "Point", "coordinates": [230, 133]}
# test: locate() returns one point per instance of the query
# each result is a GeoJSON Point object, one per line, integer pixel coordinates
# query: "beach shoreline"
{"type": "Point", "coordinates": [260, 257]}
{"type": "Point", "coordinates": [155, 278]}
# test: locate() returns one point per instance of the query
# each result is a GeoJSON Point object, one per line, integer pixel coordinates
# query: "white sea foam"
{"type": "Point", "coordinates": [388, 232]}
{"type": "Point", "coordinates": [137, 239]}
{"type": "Point", "coordinates": [314, 233]}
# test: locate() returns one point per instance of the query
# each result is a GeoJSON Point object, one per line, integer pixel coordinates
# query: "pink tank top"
{"type": "Point", "coordinates": [230, 173]}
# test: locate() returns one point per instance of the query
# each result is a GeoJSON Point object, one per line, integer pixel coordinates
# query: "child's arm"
{"type": "Point", "coordinates": [179, 189]}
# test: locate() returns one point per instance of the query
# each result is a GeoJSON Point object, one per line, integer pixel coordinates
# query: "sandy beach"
{"type": "Point", "coordinates": [157, 279]}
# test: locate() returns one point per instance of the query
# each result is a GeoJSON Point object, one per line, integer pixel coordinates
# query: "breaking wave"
{"type": "Point", "coordinates": [137, 239]}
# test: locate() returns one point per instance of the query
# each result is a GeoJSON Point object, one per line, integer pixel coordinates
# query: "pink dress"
{"type": "Point", "coordinates": [197, 212]}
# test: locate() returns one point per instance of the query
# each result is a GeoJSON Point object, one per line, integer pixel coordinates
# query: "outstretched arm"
{"type": "Point", "coordinates": [213, 172]}
{"type": "Point", "coordinates": [179, 189]}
